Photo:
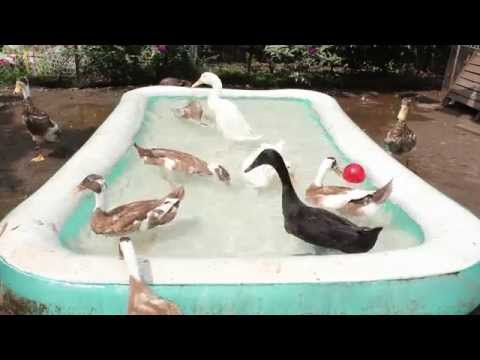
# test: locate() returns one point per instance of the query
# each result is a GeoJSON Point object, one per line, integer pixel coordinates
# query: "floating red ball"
{"type": "Point", "coordinates": [354, 173]}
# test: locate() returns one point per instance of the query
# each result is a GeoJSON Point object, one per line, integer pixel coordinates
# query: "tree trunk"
{"type": "Point", "coordinates": [249, 62]}
{"type": "Point", "coordinates": [77, 63]}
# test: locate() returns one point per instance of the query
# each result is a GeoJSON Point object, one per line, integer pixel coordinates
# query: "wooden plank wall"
{"type": "Point", "coordinates": [466, 88]}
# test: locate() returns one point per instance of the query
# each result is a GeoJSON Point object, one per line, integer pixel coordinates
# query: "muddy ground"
{"type": "Point", "coordinates": [446, 155]}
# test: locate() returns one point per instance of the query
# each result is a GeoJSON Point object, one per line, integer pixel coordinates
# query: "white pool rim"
{"type": "Point", "coordinates": [30, 241]}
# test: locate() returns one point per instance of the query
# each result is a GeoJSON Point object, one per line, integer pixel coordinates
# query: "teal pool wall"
{"type": "Point", "coordinates": [454, 294]}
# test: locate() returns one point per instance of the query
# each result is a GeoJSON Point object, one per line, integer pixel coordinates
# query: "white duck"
{"type": "Point", "coordinates": [356, 202]}
{"type": "Point", "coordinates": [262, 176]}
{"type": "Point", "coordinates": [228, 117]}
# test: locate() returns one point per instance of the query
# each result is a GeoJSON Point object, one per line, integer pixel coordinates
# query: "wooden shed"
{"type": "Point", "coordinates": [462, 78]}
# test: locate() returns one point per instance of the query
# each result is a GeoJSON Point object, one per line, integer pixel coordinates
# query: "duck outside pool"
{"type": "Point", "coordinates": [216, 220]}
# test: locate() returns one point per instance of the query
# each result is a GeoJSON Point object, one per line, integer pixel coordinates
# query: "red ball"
{"type": "Point", "coordinates": [354, 173]}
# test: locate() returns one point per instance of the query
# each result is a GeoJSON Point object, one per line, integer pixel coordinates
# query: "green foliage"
{"type": "Point", "coordinates": [9, 74]}
{"type": "Point", "coordinates": [299, 60]}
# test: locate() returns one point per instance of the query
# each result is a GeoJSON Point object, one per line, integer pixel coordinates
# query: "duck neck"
{"type": "Point", "coordinates": [100, 201]}
{"type": "Point", "coordinates": [402, 114]}
{"type": "Point", "coordinates": [26, 92]}
{"type": "Point", "coordinates": [130, 259]}
{"type": "Point", "coordinates": [288, 192]}
{"type": "Point", "coordinates": [322, 171]}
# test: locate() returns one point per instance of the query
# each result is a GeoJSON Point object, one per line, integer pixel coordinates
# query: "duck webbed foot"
{"type": "Point", "coordinates": [39, 157]}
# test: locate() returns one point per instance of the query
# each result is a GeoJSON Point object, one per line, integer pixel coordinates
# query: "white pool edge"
{"type": "Point", "coordinates": [451, 232]}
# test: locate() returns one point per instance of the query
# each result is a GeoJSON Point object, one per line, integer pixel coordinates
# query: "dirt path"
{"type": "Point", "coordinates": [446, 156]}
{"type": "Point", "coordinates": [78, 113]}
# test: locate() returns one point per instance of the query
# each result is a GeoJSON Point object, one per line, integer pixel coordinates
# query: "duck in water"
{"type": "Point", "coordinates": [313, 225]}
{"type": "Point", "coordinates": [228, 117]}
{"type": "Point", "coordinates": [349, 201]}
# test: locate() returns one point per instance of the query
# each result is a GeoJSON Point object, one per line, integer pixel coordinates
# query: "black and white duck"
{"type": "Point", "coordinates": [141, 299]}
{"type": "Point", "coordinates": [400, 139]}
{"type": "Point", "coordinates": [314, 225]}
{"type": "Point", "coordinates": [42, 129]}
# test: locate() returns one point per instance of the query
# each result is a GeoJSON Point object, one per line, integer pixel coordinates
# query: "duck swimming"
{"type": "Point", "coordinates": [400, 139]}
{"type": "Point", "coordinates": [136, 216]}
{"type": "Point", "coordinates": [174, 160]}
{"type": "Point", "coordinates": [38, 123]}
{"type": "Point", "coordinates": [193, 111]}
{"type": "Point", "coordinates": [263, 176]}
{"type": "Point", "coordinates": [356, 202]}
{"type": "Point", "coordinates": [141, 299]}
{"type": "Point", "coordinates": [313, 225]}
{"type": "Point", "coordinates": [228, 117]}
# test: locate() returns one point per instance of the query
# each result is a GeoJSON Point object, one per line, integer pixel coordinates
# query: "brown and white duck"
{"type": "Point", "coordinates": [171, 81]}
{"type": "Point", "coordinates": [129, 218]}
{"type": "Point", "coordinates": [193, 112]}
{"type": "Point", "coordinates": [141, 299]}
{"type": "Point", "coordinates": [349, 201]}
{"type": "Point", "coordinates": [41, 128]}
{"type": "Point", "coordinates": [401, 140]}
{"type": "Point", "coordinates": [178, 161]}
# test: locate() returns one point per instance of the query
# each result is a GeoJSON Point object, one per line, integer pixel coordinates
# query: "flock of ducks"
{"type": "Point", "coordinates": [314, 224]}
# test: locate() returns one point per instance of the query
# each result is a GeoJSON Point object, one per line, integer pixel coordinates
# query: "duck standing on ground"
{"type": "Point", "coordinates": [141, 299]}
{"type": "Point", "coordinates": [129, 218]}
{"type": "Point", "coordinates": [313, 225]}
{"type": "Point", "coordinates": [171, 81]}
{"type": "Point", "coordinates": [401, 140]}
{"type": "Point", "coordinates": [174, 160]}
{"type": "Point", "coordinates": [38, 123]}
{"type": "Point", "coordinates": [228, 117]}
{"type": "Point", "coordinates": [356, 202]}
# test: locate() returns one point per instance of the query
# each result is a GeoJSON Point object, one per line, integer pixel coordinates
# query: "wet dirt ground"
{"type": "Point", "coordinates": [446, 156]}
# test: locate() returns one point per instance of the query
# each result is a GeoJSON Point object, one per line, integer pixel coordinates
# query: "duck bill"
{"type": "Point", "coordinates": [79, 189]}
{"type": "Point", "coordinates": [250, 168]}
{"type": "Point", "coordinates": [197, 84]}
{"type": "Point", "coordinates": [17, 90]}
{"type": "Point", "coordinates": [338, 171]}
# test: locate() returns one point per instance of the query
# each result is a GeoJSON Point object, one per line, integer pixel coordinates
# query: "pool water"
{"type": "Point", "coordinates": [215, 220]}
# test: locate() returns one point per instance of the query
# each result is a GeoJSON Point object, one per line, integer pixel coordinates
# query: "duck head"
{"type": "Point", "coordinates": [331, 163]}
{"type": "Point", "coordinates": [209, 78]}
{"type": "Point", "coordinates": [404, 108]}
{"type": "Point", "coordinates": [93, 182]}
{"type": "Point", "coordinates": [267, 157]}
{"type": "Point", "coordinates": [22, 86]}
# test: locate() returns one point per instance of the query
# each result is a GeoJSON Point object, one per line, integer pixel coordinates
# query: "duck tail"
{"type": "Point", "coordinates": [382, 194]}
{"type": "Point", "coordinates": [222, 174]}
{"type": "Point", "coordinates": [141, 151]}
{"type": "Point", "coordinates": [178, 193]}
{"type": "Point", "coordinates": [369, 237]}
